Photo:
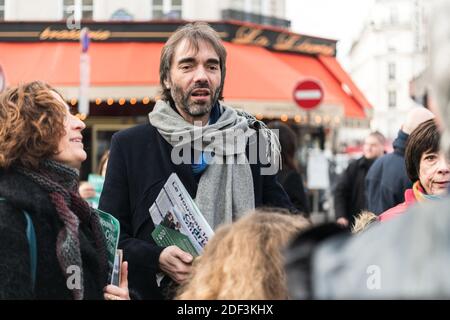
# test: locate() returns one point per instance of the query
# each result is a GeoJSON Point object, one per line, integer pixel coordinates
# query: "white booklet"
{"type": "Point", "coordinates": [177, 219]}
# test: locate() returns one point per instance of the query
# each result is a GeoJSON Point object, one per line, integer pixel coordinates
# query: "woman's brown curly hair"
{"type": "Point", "coordinates": [31, 125]}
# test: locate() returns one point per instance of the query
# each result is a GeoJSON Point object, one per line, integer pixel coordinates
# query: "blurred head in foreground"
{"type": "Point", "coordinates": [244, 260]}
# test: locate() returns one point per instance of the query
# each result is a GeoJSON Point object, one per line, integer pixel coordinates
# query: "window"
{"type": "Point", "coordinates": [391, 71]}
{"type": "Point", "coordinates": [87, 9]}
{"type": "Point", "coordinates": [238, 5]}
{"type": "Point", "coordinates": [394, 16]}
{"type": "Point", "coordinates": [2, 9]}
{"type": "Point", "coordinates": [256, 6]}
{"type": "Point", "coordinates": [122, 15]}
{"type": "Point", "coordinates": [167, 9]}
{"type": "Point", "coordinates": [175, 9]}
{"type": "Point", "coordinates": [79, 9]}
{"type": "Point", "coordinates": [68, 8]}
{"type": "Point", "coordinates": [392, 96]}
{"type": "Point", "coordinates": [158, 9]}
{"type": "Point", "coordinates": [253, 6]}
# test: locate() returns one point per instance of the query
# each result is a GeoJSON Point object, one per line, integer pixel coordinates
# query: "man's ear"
{"type": "Point", "coordinates": [167, 83]}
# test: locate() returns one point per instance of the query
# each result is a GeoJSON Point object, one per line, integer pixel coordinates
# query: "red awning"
{"type": "Point", "coordinates": [253, 73]}
{"type": "Point", "coordinates": [343, 77]}
{"type": "Point", "coordinates": [58, 63]}
{"type": "Point", "coordinates": [332, 80]}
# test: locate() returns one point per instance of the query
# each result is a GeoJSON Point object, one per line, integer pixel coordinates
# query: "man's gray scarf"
{"type": "Point", "coordinates": [225, 191]}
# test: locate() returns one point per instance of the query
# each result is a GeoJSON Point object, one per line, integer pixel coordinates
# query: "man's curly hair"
{"type": "Point", "coordinates": [31, 125]}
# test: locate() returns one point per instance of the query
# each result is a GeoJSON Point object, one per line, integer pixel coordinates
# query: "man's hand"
{"type": "Point", "coordinates": [175, 263]}
{"type": "Point", "coordinates": [342, 221]}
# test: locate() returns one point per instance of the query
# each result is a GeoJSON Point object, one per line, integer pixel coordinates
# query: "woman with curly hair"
{"type": "Point", "coordinates": [244, 260]}
{"type": "Point", "coordinates": [41, 150]}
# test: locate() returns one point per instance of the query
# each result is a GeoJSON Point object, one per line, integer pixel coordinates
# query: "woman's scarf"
{"type": "Point", "coordinates": [61, 183]}
{"type": "Point", "coordinates": [421, 195]}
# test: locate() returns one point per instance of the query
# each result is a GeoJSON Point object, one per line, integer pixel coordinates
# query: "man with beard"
{"type": "Point", "coordinates": [188, 134]}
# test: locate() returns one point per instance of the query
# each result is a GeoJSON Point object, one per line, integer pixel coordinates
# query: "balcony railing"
{"type": "Point", "coordinates": [231, 14]}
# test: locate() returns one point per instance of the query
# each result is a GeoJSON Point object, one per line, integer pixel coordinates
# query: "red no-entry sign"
{"type": "Point", "coordinates": [308, 94]}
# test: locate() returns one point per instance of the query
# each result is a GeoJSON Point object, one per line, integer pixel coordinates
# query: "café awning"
{"type": "Point", "coordinates": [258, 79]}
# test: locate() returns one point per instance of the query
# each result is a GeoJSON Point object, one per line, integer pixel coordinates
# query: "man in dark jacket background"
{"type": "Point", "coordinates": [387, 179]}
{"type": "Point", "coordinates": [349, 194]}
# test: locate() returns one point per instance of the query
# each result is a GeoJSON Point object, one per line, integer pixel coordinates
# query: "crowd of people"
{"type": "Point", "coordinates": [265, 245]}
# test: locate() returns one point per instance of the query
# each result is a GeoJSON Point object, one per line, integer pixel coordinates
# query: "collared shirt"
{"type": "Point", "coordinates": [200, 165]}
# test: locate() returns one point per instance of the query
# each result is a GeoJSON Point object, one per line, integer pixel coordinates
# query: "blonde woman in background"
{"type": "Point", "coordinates": [244, 260]}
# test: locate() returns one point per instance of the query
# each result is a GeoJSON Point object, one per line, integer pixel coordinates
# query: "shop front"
{"type": "Point", "coordinates": [263, 66]}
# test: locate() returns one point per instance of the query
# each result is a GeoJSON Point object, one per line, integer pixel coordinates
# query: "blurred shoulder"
{"type": "Point", "coordinates": [133, 132]}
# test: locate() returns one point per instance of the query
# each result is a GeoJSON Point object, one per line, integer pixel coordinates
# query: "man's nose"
{"type": "Point", "coordinates": [200, 75]}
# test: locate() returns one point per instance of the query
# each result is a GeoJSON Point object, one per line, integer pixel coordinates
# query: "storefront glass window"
{"type": "Point", "coordinates": [2, 9]}
{"type": "Point", "coordinates": [167, 9]}
{"type": "Point", "coordinates": [392, 96]}
{"type": "Point", "coordinates": [391, 70]}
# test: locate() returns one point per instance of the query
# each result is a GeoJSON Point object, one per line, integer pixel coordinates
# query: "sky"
{"type": "Point", "coordinates": [336, 19]}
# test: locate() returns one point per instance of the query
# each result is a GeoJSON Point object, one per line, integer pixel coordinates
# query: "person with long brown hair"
{"type": "Point", "coordinates": [244, 260]}
{"type": "Point", "coordinates": [290, 177]}
{"type": "Point", "coordinates": [51, 242]}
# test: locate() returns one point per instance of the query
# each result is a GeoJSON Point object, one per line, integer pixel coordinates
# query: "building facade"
{"type": "Point", "coordinates": [268, 12]}
{"type": "Point", "coordinates": [265, 62]}
{"type": "Point", "coordinates": [390, 52]}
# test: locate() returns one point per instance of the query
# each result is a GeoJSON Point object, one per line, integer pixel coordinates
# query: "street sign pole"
{"type": "Point", "coordinates": [308, 94]}
{"type": "Point", "coordinates": [83, 101]}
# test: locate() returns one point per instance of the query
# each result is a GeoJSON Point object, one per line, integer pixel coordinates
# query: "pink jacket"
{"type": "Point", "coordinates": [400, 208]}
